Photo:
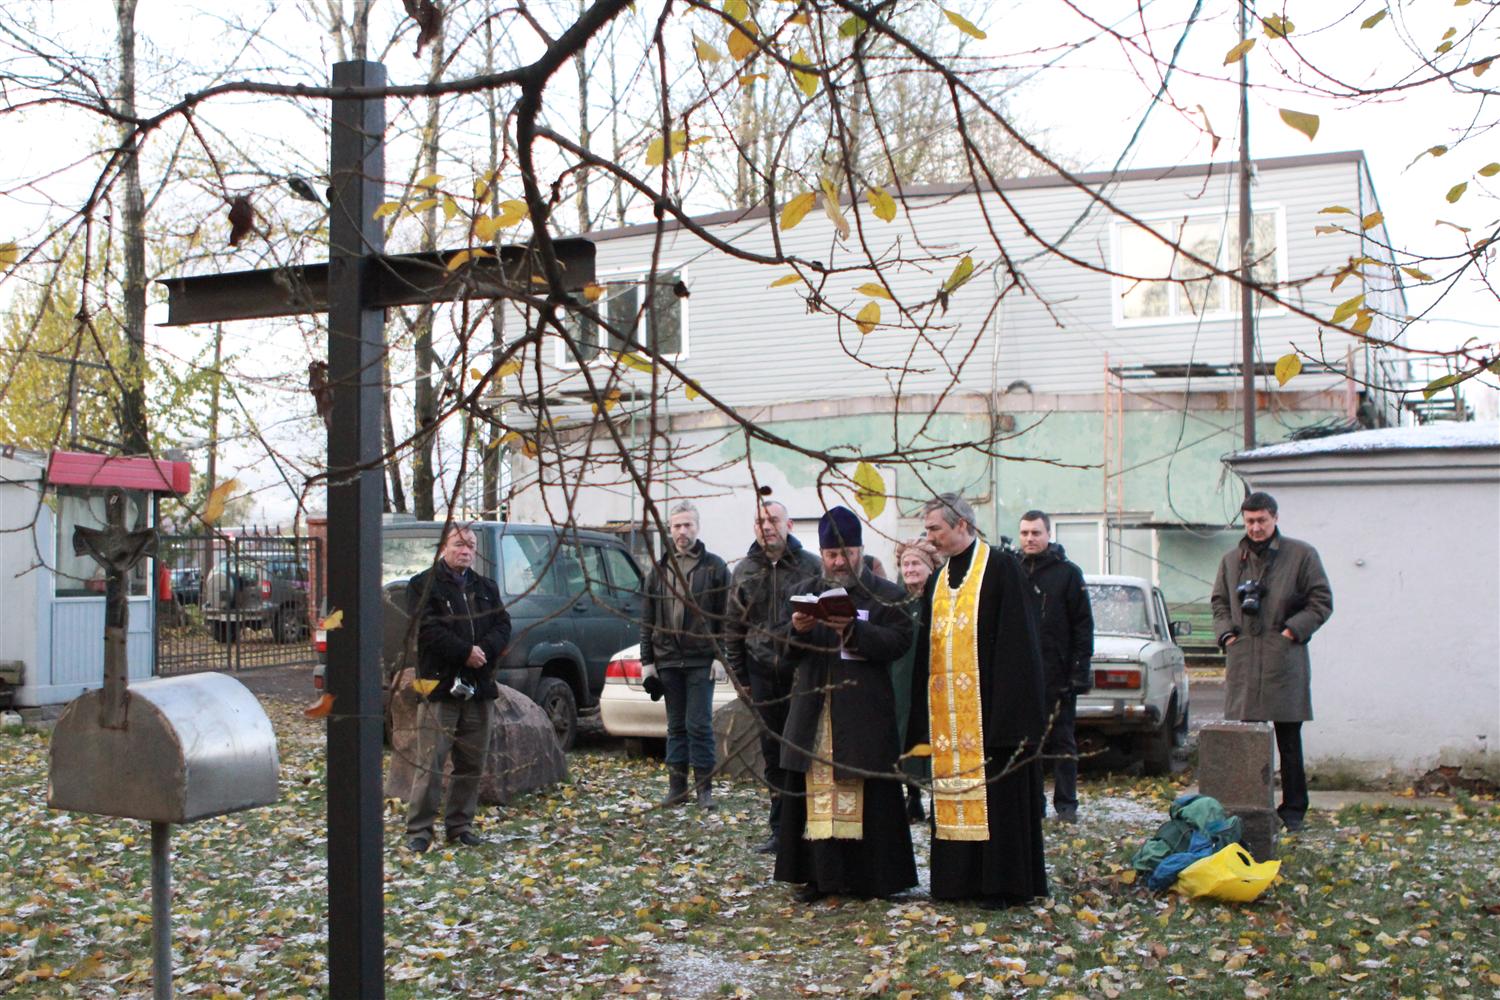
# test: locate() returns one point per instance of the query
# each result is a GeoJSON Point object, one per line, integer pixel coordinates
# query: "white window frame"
{"type": "Point", "coordinates": [563, 358]}
{"type": "Point", "coordinates": [1120, 285]}
{"type": "Point", "coordinates": [1109, 545]}
{"type": "Point", "coordinates": [1097, 520]}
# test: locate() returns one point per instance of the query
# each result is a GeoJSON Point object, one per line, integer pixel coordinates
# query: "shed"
{"type": "Point", "coordinates": [51, 600]}
{"type": "Point", "coordinates": [1406, 674]}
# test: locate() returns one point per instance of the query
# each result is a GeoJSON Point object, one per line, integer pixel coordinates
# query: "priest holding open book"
{"type": "Point", "coordinates": [843, 821]}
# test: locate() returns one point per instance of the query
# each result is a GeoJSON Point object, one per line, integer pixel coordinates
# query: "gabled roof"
{"type": "Point", "coordinates": [1089, 179]}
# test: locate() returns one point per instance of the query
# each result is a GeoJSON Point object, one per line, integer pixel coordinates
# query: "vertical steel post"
{"type": "Point", "coordinates": [161, 911]}
{"type": "Point", "coordinates": [1247, 247]}
{"type": "Point", "coordinates": [356, 348]}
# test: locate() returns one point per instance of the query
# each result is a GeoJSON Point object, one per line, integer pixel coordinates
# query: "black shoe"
{"type": "Point", "coordinates": [468, 839]}
{"type": "Point", "coordinates": [1069, 816]}
{"type": "Point", "coordinates": [810, 894]}
{"type": "Point", "coordinates": [418, 844]}
{"type": "Point", "coordinates": [1293, 822]}
{"type": "Point", "coordinates": [769, 847]}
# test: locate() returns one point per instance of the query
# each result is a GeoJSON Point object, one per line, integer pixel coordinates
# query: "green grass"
{"type": "Point", "coordinates": [587, 891]}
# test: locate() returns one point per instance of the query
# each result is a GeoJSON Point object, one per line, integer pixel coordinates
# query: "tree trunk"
{"type": "Point", "coordinates": [134, 436]}
{"type": "Point", "coordinates": [425, 409]}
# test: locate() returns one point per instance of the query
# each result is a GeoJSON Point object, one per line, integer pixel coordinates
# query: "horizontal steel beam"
{"type": "Point", "coordinates": [393, 280]}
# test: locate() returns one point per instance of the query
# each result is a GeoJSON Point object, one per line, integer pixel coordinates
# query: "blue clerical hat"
{"type": "Point", "coordinates": [839, 529]}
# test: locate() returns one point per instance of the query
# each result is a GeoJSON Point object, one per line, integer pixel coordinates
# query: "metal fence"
{"type": "Point", "coordinates": [236, 602]}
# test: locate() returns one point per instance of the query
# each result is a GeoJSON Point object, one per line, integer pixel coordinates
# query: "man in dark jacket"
{"type": "Point", "coordinates": [682, 624]}
{"type": "Point", "coordinates": [462, 628]}
{"type": "Point", "coordinates": [1066, 622]}
{"type": "Point", "coordinates": [843, 821]}
{"type": "Point", "coordinates": [758, 593]}
{"type": "Point", "coordinates": [1269, 597]}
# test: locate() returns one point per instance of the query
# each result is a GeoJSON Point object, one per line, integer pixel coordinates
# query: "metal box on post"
{"type": "Point", "coordinates": [191, 747]}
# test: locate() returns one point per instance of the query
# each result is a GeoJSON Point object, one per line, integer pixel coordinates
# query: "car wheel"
{"type": "Point", "coordinates": [557, 700]}
{"type": "Point", "coordinates": [1156, 746]}
{"type": "Point", "coordinates": [286, 626]}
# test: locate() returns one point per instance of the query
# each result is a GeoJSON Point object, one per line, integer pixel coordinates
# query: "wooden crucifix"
{"type": "Point", "coordinates": [354, 287]}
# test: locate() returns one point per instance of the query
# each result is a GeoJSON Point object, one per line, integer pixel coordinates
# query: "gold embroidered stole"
{"type": "Point", "coordinates": [835, 809]}
{"type": "Point", "coordinates": [955, 718]}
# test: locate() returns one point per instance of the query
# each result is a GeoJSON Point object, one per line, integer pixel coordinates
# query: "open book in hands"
{"type": "Point", "coordinates": [835, 603]}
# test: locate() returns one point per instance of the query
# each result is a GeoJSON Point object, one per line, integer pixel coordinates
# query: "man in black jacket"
{"type": "Point", "coordinates": [1067, 634]}
{"type": "Point", "coordinates": [682, 623]}
{"type": "Point", "coordinates": [462, 628]}
{"type": "Point", "coordinates": [758, 593]}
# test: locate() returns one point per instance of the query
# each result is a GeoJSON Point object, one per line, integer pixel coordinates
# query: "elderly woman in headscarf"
{"type": "Point", "coordinates": [916, 561]}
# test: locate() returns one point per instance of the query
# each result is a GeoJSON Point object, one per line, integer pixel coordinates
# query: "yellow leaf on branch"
{"type": "Point", "coordinates": [1457, 191]}
{"type": "Point", "coordinates": [214, 508]}
{"type": "Point", "coordinates": [1237, 53]}
{"type": "Point", "coordinates": [881, 203]}
{"type": "Point", "coordinates": [1288, 367]}
{"type": "Point", "coordinates": [874, 290]}
{"type": "Point", "coordinates": [1372, 220]}
{"type": "Point", "coordinates": [1374, 18]}
{"type": "Point", "coordinates": [334, 621]}
{"type": "Point", "coordinates": [706, 52]}
{"type": "Point", "coordinates": [869, 489]}
{"type": "Point", "coordinates": [1303, 122]}
{"type": "Point", "coordinates": [832, 210]}
{"type": "Point", "coordinates": [513, 212]}
{"type": "Point", "coordinates": [431, 180]}
{"type": "Point", "coordinates": [920, 750]}
{"type": "Point", "coordinates": [1348, 308]}
{"type": "Point", "coordinates": [962, 272]}
{"type": "Point", "coordinates": [475, 374]}
{"type": "Point", "coordinates": [593, 292]}
{"type": "Point", "coordinates": [9, 254]}
{"type": "Point", "coordinates": [741, 41]}
{"type": "Point", "coordinates": [785, 279]}
{"type": "Point", "coordinates": [424, 205]}
{"type": "Point", "coordinates": [385, 209]}
{"type": "Point", "coordinates": [963, 24]}
{"type": "Point", "coordinates": [868, 317]}
{"type": "Point", "coordinates": [796, 210]}
{"type": "Point", "coordinates": [1417, 273]}
{"type": "Point", "coordinates": [689, 390]}
{"type": "Point", "coordinates": [806, 82]}
{"type": "Point", "coordinates": [1489, 170]}
{"type": "Point", "coordinates": [511, 367]}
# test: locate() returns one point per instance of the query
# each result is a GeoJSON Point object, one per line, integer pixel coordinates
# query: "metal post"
{"type": "Point", "coordinates": [1247, 299]}
{"type": "Point", "coordinates": [356, 347]}
{"type": "Point", "coordinates": [161, 910]}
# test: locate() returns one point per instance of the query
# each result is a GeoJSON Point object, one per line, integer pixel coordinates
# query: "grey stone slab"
{"type": "Point", "coordinates": [1236, 764]}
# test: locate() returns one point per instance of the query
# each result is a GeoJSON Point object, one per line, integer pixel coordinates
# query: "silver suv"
{"type": "Point", "coordinates": [1139, 701]}
{"type": "Point", "coordinates": [260, 592]}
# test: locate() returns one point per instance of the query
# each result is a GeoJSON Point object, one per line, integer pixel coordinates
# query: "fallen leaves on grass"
{"type": "Point", "coordinates": [588, 891]}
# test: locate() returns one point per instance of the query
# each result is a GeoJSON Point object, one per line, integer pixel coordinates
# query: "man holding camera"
{"type": "Point", "coordinates": [462, 628]}
{"type": "Point", "coordinates": [1270, 596]}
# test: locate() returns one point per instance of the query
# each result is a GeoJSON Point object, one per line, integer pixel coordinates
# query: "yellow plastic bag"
{"type": "Point", "coordinates": [1230, 874]}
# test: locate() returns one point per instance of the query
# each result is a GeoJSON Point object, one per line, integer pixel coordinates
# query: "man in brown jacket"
{"type": "Point", "coordinates": [1270, 596]}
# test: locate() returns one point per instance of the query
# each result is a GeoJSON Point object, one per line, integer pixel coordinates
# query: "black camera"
{"type": "Point", "coordinates": [1251, 593]}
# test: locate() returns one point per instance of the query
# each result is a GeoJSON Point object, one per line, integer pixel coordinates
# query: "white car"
{"type": "Point", "coordinates": [1140, 700]}
{"type": "Point", "coordinates": [627, 710]}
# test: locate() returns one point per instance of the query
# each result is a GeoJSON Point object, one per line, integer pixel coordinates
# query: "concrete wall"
{"type": "Point", "coordinates": [1406, 674]}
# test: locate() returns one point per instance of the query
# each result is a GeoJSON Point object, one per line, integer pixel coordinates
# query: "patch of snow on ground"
{"type": "Point", "coordinates": [695, 973]}
{"type": "Point", "coordinates": [1120, 811]}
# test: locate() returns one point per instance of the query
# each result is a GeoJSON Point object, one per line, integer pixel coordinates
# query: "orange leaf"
{"type": "Point", "coordinates": [320, 708]}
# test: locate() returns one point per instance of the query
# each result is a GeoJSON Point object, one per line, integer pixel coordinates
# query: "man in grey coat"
{"type": "Point", "coordinates": [1270, 596]}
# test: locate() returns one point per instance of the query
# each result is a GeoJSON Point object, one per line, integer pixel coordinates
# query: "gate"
{"type": "Point", "coordinates": [236, 602]}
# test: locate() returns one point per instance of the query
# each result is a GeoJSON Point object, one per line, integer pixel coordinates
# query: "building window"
{"type": "Point", "coordinates": [663, 329]}
{"type": "Point", "coordinates": [78, 575]}
{"type": "Point", "coordinates": [1165, 286]}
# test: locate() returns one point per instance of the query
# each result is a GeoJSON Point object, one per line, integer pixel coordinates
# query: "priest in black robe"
{"type": "Point", "coordinates": [987, 840]}
{"type": "Point", "coordinates": [843, 821]}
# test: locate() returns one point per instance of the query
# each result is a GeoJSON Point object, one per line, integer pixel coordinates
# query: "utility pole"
{"type": "Point", "coordinates": [1247, 320]}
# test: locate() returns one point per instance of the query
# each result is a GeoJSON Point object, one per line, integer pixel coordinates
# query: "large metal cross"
{"type": "Point", "coordinates": [355, 287]}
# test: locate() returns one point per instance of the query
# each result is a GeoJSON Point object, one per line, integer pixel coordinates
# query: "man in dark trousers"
{"type": "Point", "coordinates": [978, 701]}
{"type": "Point", "coordinates": [462, 628]}
{"type": "Point", "coordinates": [1270, 596]}
{"type": "Point", "coordinates": [843, 819]}
{"type": "Point", "coordinates": [682, 623]}
{"type": "Point", "coordinates": [1067, 632]}
{"type": "Point", "coordinates": [758, 592]}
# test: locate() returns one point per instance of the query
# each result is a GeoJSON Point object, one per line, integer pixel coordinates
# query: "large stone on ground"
{"type": "Point", "coordinates": [524, 754]}
{"type": "Point", "coordinates": [1235, 766]}
{"type": "Point", "coordinates": [737, 742]}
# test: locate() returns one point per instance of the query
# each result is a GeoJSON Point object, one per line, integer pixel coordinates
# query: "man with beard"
{"type": "Point", "coordinates": [1066, 621]}
{"type": "Point", "coordinates": [843, 820]}
{"type": "Point", "coordinates": [977, 688]}
{"type": "Point", "coordinates": [755, 639]}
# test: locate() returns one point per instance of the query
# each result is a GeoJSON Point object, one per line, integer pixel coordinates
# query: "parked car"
{"type": "Point", "coordinates": [256, 592]}
{"type": "Point", "coordinates": [187, 586]}
{"type": "Point", "coordinates": [574, 598]}
{"type": "Point", "coordinates": [1139, 702]}
{"type": "Point", "coordinates": [626, 709]}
